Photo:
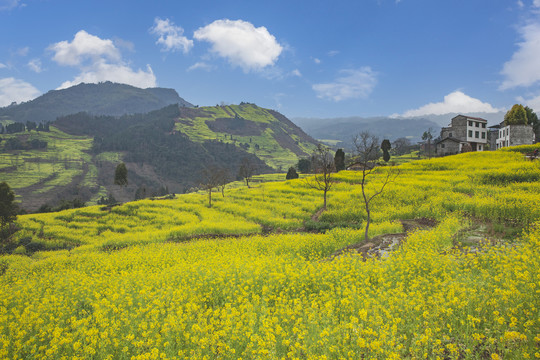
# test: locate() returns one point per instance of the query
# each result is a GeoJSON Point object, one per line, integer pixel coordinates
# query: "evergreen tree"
{"type": "Point", "coordinates": [386, 146]}
{"type": "Point", "coordinates": [304, 166]}
{"type": "Point", "coordinates": [120, 175]}
{"type": "Point", "coordinates": [8, 209]}
{"type": "Point", "coordinates": [291, 174]}
{"type": "Point", "coordinates": [339, 160]}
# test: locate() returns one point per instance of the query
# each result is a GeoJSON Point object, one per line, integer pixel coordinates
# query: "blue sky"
{"type": "Point", "coordinates": [302, 58]}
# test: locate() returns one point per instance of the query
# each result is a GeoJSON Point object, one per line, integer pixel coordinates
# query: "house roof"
{"type": "Point", "coordinates": [470, 117]}
{"type": "Point", "coordinates": [449, 139]}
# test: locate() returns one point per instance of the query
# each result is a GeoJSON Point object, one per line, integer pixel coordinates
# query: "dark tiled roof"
{"type": "Point", "coordinates": [471, 117]}
{"type": "Point", "coordinates": [448, 138]}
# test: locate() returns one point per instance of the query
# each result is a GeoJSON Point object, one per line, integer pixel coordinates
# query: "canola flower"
{"type": "Point", "coordinates": [280, 296]}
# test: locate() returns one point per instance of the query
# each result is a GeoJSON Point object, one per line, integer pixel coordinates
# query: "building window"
{"type": "Point", "coordinates": [477, 124]}
{"type": "Point", "coordinates": [483, 125]}
{"type": "Point", "coordinates": [449, 134]}
{"type": "Point", "coordinates": [470, 123]}
{"type": "Point", "coordinates": [476, 134]}
{"type": "Point", "coordinates": [483, 135]}
{"type": "Point", "coordinates": [442, 146]}
{"type": "Point", "coordinates": [479, 147]}
{"type": "Point", "coordinates": [470, 133]}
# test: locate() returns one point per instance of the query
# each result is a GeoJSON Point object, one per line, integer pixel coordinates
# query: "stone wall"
{"type": "Point", "coordinates": [521, 135]}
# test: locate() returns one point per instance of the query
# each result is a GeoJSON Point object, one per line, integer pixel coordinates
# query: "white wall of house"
{"type": "Point", "coordinates": [477, 132]}
{"type": "Point", "coordinates": [513, 135]}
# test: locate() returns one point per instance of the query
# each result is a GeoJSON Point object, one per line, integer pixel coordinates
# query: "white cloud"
{"type": "Point", "coordinates": [333, 53]}
{"type": "Point", "coordinates": [3, 66]}
{"type": "Point", "coordinates": [8, 4]}
{"type": "Point", "coordinates": [536, 3]}
{"type": "Point", "coordinates": [520, 4]}
{"type": "Point", "coordinates": [533, 103]}
{"type": "Point", "coordinates": [99, 60]}
{"type": "Point", "coordinates": [119, 73]}
{"type": "Point", "coordinates": [296, 72]}
{"type": "Point", "coordinates": [523, 69]}
{"type": "Point", "coordinates": [241, 43]}
{"type": "Point", "coordinates": [35, 65]}
{"type": "Point", "coordinates": [12, 89]}
{"type": "Point", "coordinates": [84, 47]}
{"type": "Point", "coordinates": [352, 85]}
{"type": "Point", "coordinates": [170, 36]}
{"type": "Point", "coordinates": [201, 65]}
{"type": "Point", "coordinates": [455, 102]}
{"type": "Point", "coordinates": [316, 61]}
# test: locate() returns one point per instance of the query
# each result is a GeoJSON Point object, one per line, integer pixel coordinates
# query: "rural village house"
{"type": "Point", "coordinates": [463, 131]}
{"type": "Point", "coordinates": [512, 135]}
{"type": "Point", "coordinates": [471, 134]}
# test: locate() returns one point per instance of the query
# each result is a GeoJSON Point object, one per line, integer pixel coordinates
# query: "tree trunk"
{"type": "Point", "coordinates": [324, 205]}
{"type": "Point", "coordinates": [368, 220]}
{"type": "Point", "coordinates": [366, 203]}
{"type": "Point", "coordinates": [210, 197]}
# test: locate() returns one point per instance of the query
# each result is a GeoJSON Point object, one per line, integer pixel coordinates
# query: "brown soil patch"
{"type": "Point", "coordinates": [192, 113]}
{"type": "Point", "coordinates": [382, 245]}
{"type": "Point", "coordinates": [235, 126]}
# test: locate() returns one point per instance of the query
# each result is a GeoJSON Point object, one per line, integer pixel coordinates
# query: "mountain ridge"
{"type": "Point", "coordinates": [104, 98]}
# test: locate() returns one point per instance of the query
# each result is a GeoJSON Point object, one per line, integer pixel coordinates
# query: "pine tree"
{"type": "Point", "coordinates": [120, 175]}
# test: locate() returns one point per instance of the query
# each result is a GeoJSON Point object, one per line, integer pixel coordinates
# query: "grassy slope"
{"type": "Point", "coordinates": [270, 150]}
{"type": "Point", "coordinates": [38, 174]}
{"type": "Point", "coordinates": [277, 296]}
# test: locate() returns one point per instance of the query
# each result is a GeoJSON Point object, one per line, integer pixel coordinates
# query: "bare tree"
{"type": "Point", "coordinates": [224, 178]}
{"type": "Point", "coordinates": [323, 166]}
{"type": "Point", "coordinates": [427, 136]}
{"type": "Point", "coordinates": [247, 170]}
{"type": "Point", "coordinates": [367, 151]}
{"type": "Point", "coordinates": [212, 177]}
{"type": "Point", "coordinates": [401, 145]}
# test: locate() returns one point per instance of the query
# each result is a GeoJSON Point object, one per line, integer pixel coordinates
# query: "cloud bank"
{"type": "Point", "coordinates": [523, 69]}
{"type": "Point", "coordinates": [353, 84]}
{"type": "Point", "coordinates": [98, 60]}
{"type": "Point", "coordinates": [170, 36]}
{"type": "Point", "coordinates": [241, 43]}
{"type": "Point", "coordinates": [455, 102]}
{"type": "Point", "coordinates": [12, 89]}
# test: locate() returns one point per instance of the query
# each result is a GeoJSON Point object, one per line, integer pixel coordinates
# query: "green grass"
{"type": "Point", "coordinates": [263, 146]}
{"type": "Point", "coordinates": [45, 168]}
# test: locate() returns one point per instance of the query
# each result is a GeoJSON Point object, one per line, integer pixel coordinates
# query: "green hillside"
{"type": "Point", "coordinates": [59, 171]}
{"type": "Point", "coordinates": [263, 132]}
{"type": "Point", "coordinates": [165, 150]}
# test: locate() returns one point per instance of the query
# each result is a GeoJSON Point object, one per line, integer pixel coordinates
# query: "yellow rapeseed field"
{"type": "Point", "coordinates": [141, 281]}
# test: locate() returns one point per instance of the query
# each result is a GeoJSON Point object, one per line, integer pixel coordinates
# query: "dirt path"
{"type": "Point", "coordinates": [315, 217]}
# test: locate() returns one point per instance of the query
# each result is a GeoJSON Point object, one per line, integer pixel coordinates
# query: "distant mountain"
{"type": "Point", "coordinates": [444, 120]}
{"type": "Point", "coordinates": [340, 131]}
{"type": "Point", "coordinates": [164, 150]}
{"type": "Point", "coordinates": [98, 99]}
